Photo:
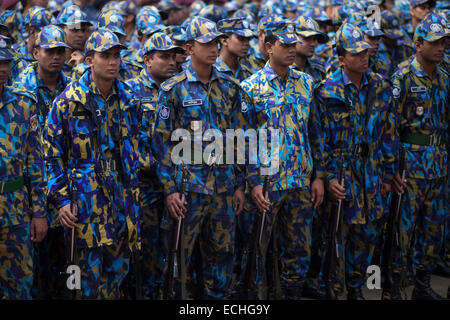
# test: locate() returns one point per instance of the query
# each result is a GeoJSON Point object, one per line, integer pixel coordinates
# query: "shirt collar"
{"type": "Point", "coordinates": [348, 81]}
{"type": "Point", "coordinates": [148, 79]}
{"type": "Point", "coordinates": [271, 74]}
{"type": "Point", "coordinates": [192, 76]}
{"type": "Point", "coordinates": [95, 90]}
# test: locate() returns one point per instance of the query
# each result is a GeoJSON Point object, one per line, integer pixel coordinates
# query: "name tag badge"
{"type": "Point", "coordinates": [194, 102]}
{"type": "Point", "coordinates": [146, 99]}
{"type": "Point", "coordinates": [266, 95]}
{"type": "Point", "coordinates": [418, 89]}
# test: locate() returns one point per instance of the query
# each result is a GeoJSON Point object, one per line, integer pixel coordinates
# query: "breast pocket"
{"type": "Point", "coordinates": [192, 117]}
{"type": "Point", "coordinates": [339, 123]}
{"type": "Point", "coordinates": [15, 135]}
{"type": "Point", "coordinates": [269, 112]}
{"type": "Point", "coordinates": [84, 132]}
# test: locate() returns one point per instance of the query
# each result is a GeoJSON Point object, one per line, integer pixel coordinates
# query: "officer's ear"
{"type": "Point", "coordinates": [190, 47]}
{"type": "Point", "coordinates": [148, 57]}
{"type": "Point", "coordinates": [36, 53]}
{"type": "Point", "coordinates": [89, 58]}
{"type": "Point", "coordinates": [418, 44]}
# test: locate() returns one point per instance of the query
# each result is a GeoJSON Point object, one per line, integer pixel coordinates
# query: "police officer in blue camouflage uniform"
{"type": "Point", "coordinates": [45, 80]}
{"type": "Point", "coordinates": [234, 47]}
{"type": "Point", "coordinates": [91, 149]}
{"type": "Point", "coordinates": [38, 18]}
{"type": "Point", "coordinates": [421, 92]}
{"type": "Point", "coordinates": [196, 101]}
{"type": "Point", "coordinates": [75, 24]}
{"type": "Point", "coordinates": [279, 98]}
{"type": "Point", "coordinates": [355, 111]}
{"type": "Point", "coordinates": [160, 60]}
{"type": "Point", "coordinates": [22, 185]}
{"type": "Point", "coordinates": [418, 9]}
{"type": "Point", "coordinates": [310, 37]}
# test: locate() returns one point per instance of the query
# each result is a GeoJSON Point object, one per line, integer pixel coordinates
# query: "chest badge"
{"type": "Point", "coordinates": [419, 110]}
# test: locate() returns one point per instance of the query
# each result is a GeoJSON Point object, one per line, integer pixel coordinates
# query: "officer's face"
{"type": "Point", "coordinates": [281, 54]}
{"type": "Point", "coordinates": [5, 71]}
{"type": "Point", "coordinates": [307, 47]}
{"type": "Point", "coordinates": [237, 45]}
{"type": "Point", "coordinates": [176, 17]}
{"type": "Point", "coordinates": [50, 60]}
{"type": "Point", "coordinates": [420, 11]}
{"type": "Point", "coordinates": [374, 42]}
{"type": "Point", "coordinates": [432, 52]}
{"type": "Point", "coordinates": [181, 57]}
{"type": "Point", "coordinates": [105, 65]}
{"type": "Point", "coordinates": [204, 53]}
{"type": "Point", "coordinates": [388, 5]}
{"type": "Point", "coordinates": [76, 36]}
{"type": "Point", "coordinates": [161, 64]}
{"type": "Point", "coordinates": [356, 62]}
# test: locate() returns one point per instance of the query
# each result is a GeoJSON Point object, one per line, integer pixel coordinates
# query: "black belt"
{"type": "Point", "coordinates": [423, 139]}
{"type": "Point", "coordinates": [12, 185]}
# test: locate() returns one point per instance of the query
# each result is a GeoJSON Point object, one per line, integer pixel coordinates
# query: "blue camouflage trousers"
{"type": "Point", "coordinates": [423, 216]}
{"type": "Point", "coordinates": [290, 221]}
{"type": "Point", "coordinates": [16, 262]}
{"type": "Point", "coordinates": [209, 226]}
{"type": "Point", "coordinates": [103, 269]}
{"type": "Point", "coordinates": [356, 244]}
{"type": "Point", "coordinates": [152, 257]}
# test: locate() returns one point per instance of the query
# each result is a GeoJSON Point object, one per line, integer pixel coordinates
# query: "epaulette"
{"type": "Point", "coordinates": [170, 83]}
{"type": "Point", "coordinates": [400, 73]}
{"type": "Point", "coordinates": [23, 92]}
{"type": "Point", "coordinates": [317, 64]}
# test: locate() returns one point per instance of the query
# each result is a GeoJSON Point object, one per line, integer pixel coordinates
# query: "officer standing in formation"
{"type": "Point", "coordinates": [107, 107]}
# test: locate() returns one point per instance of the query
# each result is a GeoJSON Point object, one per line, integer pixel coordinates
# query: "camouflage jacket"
{"type": "Point", "coordinates": [21, 156]}
{"type": "Point", "coordinates": [78, 139]}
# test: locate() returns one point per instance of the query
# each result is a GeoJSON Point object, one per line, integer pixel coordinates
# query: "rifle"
{"type": "Point", "coordinates": [173, 272]}
{"type": "Point", "coordinates": [257, 253]}
{"type": "Point", "coordinates": [332, 252]}
{"type": "Point", "coordinates": [392, 240]}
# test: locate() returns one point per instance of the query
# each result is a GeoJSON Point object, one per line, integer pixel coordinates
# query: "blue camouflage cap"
{"type": "Point", "coordinates": [391, 24]}
{"type": "Point", "coordinates": [318, 14]}
{"type": "Point", "coordinates": [128, 7]}
{"type": "Point", "coordinates": [284, 31]}
{"type": "Point", "coordinates": [202, 30]}
{"type": "Point", "coordinates": [307, 27]}
{"type": "Point", "coordinates": [167, 5]}
{"type": "Point", "coordinates": [289, 5]}
{"type": "Point", "coordinates": [351, 39]}
{"type": "Point", "coordinates": [245, 14]}
{"type": "Point", "coordinates": [54, 6]}
{"type": "Point", "coordinates": [176, 33]}
{"type": "Point", "coordinates": [5, 48]}
{"type": "Point", "coordinates": [102, 40]}
{"type": "Point", "coordinates": [111, 5]}
{"type": "Point", "coordinates": [371, 28]}
{"type": "Point", "coordinates": [238, 26]}
{"type": "Point", "coordinates": [40, 17]}
{"type": "Point", "coordinates": [51, 37]}
{"type": "Point", "coordinates": [148, 21]}
{"type": "Point", "coordinates": [213, 13]}
{"type": "Point", "coordinates": [111, 20]}
{"type": "Point", "coordinates": [415, 3]}
{"type": "Point", "coordinates": [160, 42]}
{"type": "Point", "coordinates": [196, 7]}
{"type": "Point", "coordinates": [268, 19]}
{"type": "Point", "coordinates": [231, 6]}
{"type": "Point", "coordinates": [72, 16]}
{"type": "Point", "coordinates": [432, 28]}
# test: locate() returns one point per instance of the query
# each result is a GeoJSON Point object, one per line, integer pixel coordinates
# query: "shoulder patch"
{"type": "Point", "coordinates": [34, 122]}
{"type": "Point", "coordinates": [170, 83]}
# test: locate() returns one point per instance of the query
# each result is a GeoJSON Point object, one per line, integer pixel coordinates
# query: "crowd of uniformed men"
{"type": "Point", "coordinates": [93, 92]}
